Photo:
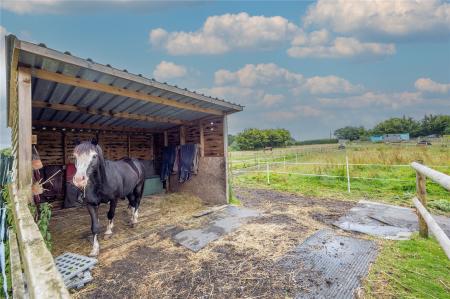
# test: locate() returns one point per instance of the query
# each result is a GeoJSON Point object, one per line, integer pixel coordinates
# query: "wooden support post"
{"type": "Point", "coordinates": [182, 135]}
{"type": "Point", "coordinates": [24, 169]}
{"type": "Point", "coordinates": [225, 156]}
{"type": "Point", "coordinates": [268, 173]}
{"type": "Point", "coordinates": [348, 174]}
{"type": "Point", "coordinates": [421, 190]}
{"type": "Point", "coordinates": [166, 138]}
{"type": "Point", "coordinates": [202, 140]}
{"type": "Point", "coordinates": [64, 137]}
{"type": "Point", "coordinates": [129, 146]}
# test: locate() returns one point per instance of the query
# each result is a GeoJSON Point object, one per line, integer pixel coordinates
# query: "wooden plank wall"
{"type": "Point", "coordinates": [141, 147]}
{"type": "Point", "coordinates": [193, 134]}
{"type": "Point", "coordinates": [213, 136]}
{"type": "Point", "coordinates": [56, 147]}
{"type": "Point", "coordinates": [213, 132]}
{"type": "Point", "coordinates": [174, 136]}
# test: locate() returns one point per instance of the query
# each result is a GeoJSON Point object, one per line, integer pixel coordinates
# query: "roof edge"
{"type": "Point", "coordinates": [74, 60]}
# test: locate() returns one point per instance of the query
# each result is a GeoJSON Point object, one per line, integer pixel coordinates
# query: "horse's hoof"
{"type": "Point", "coordinates": [107, 236]}
{"type": "Point", "coordinates": [93, 254]}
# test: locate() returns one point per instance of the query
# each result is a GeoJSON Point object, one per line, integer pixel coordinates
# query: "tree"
{"type": "Point", "coordinates": [398, 125]}
{"type": "Point", "coordinates": [255, 138]}
{"type": "Point", "coordinates": [350, 133]}
{"type": "Point", "coordinates": [435, 124]}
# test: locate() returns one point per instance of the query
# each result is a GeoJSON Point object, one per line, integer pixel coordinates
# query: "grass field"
{"type": "Point", "coordinates": [379, 182]}
{"type": "Point", "coordinates": [417, 268]}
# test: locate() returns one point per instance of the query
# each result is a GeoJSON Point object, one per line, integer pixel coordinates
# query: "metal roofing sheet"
{"type": "Point", "coordinates": [40, 57]}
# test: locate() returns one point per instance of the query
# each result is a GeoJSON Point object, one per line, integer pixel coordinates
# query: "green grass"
{"type": "Point", "coordinates": [417, 268]}
{"type": "Point", "coordinates": [389, 190]}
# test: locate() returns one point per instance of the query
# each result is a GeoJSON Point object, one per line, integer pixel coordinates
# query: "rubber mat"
{"type": "Point", "coordinates": [327, 265]}
{"type": "Point", "coordinates": [386, 221]}
{"type": "Point", "coordinates": [220, 223]}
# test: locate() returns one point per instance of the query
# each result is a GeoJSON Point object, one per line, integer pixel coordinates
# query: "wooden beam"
{"type": "Point", "coordinates": [182, 135]}
{"type": "Point", "coordinates": [57, 124]}
{"type": "Point", "coordinates": [202, 140]}
{"type": "Point", "coordinates": [13, 85]}
{"type": "Point", "coordinates": [41, 275]}
{"type": "Point", "coordinates": [55, 77]}
{"type": "Point", "coordinates": [72, 108]}
{"type": "Point", "coordinates": [437, 231]}
{"type": "Point", "coordinates": [166, 138]}
{"type": "Point", "coordinates": [24, 129]}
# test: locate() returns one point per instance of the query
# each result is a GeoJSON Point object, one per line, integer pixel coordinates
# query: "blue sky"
{"type": "Point", "coordinates": [310, 67]}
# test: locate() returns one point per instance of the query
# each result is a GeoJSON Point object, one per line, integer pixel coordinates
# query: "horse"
{"type": "Point", "coordinates": [103, 181]}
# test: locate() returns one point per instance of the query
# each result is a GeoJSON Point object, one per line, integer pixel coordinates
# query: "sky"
{"type": "Point", "coordinates": [307, 66]}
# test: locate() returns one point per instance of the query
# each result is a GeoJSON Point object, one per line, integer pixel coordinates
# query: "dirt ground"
{"type": "Point", "coordinates": [148, 264]}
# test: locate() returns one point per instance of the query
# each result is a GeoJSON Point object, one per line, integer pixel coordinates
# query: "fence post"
{"type": "Point", "coordinates": [348, 174]}
{"type": "Point", "coordinates": [421, 190]}
{"type": "Point", "coordinates": [284, 163]}
{"type": "Point", "coordinates": [296, 157]}
{"type": "Point", "coordinates": [268, 173]}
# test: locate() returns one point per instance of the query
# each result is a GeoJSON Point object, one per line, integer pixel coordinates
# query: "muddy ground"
{"type": "Point", "coordinates": [242, 264]}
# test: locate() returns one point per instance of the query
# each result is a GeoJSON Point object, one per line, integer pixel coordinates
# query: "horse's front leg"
{"type": "Point", "coordinates": [95, 228]}
{"type": "Point", "coordinates": [111, 212]}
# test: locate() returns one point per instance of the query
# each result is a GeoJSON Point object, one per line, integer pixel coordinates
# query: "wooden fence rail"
{"type": "Point", "coordinates": [426, 221]}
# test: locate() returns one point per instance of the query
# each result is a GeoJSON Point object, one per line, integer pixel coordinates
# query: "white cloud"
{"type": "Point", "coordinates": [168, 70]}
{"type": "Point", "coordinates": [380, 17]}
{"type": "Point", "coordinates": [270, 75]}
{"type": "Point", "coordinates": [224, 33]}
{"type": "Point", "coordinates": [394, 100]}
{"type": "Point", "coordinates": [270, 100]}
{"type": "Point", "coordinates": [340, 47]}
{"type": "Point", "coordinates": [69, 6]}
{"type": "Point", "coordinates": [330, 85]}
{"type": "Point", "coordinates": [428, 85]}
{"type": "Point", "coordinates": [258, 74]}
{"type": "Point", "coordinates": [295, 112]}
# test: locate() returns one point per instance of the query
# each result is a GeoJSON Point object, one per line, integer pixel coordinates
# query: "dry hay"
{"type": "Point", "coordinates": [242, 264]}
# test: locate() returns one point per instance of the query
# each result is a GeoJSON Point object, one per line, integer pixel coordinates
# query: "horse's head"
{"type": "Point", "coordinates": [89, 159]}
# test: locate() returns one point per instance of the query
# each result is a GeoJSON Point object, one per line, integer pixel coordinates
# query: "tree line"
{"type": "Point", "coordinates": [429, 125]}
{"type": "Point", "coordinates": [253, 138]}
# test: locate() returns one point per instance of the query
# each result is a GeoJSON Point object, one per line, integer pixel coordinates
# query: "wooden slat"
{"type": "Point", "coordinates": [55, 77]}
{"type": "Point", "coordinates": [13, 85]}
{"type": "Point", "coordinates": [436, 176]}
{"type": "Point", "coordinates": [125, 115]}
{"type": "Point", "coordinates": [24, 128]}
{"type": "Point", "coordinates": [440, 235]}
{"type": "Point", "coordinates": [182, 135]}
{"type": "Point", "coordinates": [43, 279]}
{"type": "Point", "coordinates": [202, 140]}
{"type": "Point", "coordinates": [67, 125]}
{"type": "Point", "coordinates": [17, 282]}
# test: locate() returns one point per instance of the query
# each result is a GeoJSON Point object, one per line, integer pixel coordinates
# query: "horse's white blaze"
{"type": "Point", "coordinates": [109, 227]}
{"type": "Point", "coordinates": [95, 247]}
{"type": "Point", "coordinates": [82, 162]}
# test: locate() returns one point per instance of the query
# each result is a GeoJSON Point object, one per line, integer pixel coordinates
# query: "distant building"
{"type": "Point", "coordinates": [378, 138]}
{"type": "Point", "coordinates": [390, 137]}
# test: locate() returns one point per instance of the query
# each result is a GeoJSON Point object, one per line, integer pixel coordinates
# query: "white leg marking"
{"type": "Point", "coordinates": [135, 217]}
{"type": "Point", "coordinates": [95, 247]}
{"type": "Point", "coordinates": [109, 227]}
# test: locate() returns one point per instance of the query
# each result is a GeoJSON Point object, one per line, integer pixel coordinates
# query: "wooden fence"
{"type": "Point", "coordinates": [426, 221]}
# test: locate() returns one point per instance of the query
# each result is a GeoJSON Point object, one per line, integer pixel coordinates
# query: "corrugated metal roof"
{"type": "Point", "coordinates": [41, 58]}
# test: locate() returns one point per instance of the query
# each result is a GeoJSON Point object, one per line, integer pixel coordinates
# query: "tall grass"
{"type": "Point", "coordinates": [383, 182]}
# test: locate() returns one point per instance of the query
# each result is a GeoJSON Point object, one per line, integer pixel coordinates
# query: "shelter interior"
{"type": "Point", "coordinates": [67, 99]}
